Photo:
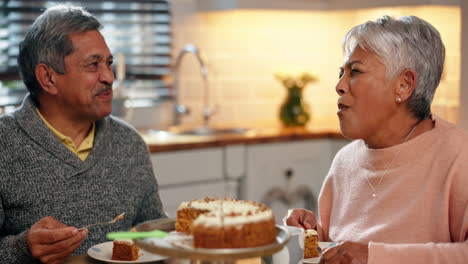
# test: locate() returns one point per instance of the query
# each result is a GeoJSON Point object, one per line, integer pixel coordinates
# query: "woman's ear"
{"type": "Point", "coordinates": [406, 85]}
{"type": "Point", "coordinates": [45, 75]}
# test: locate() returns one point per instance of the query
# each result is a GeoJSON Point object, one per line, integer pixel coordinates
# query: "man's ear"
{"type": "Point", "coordinates": [46, 76]}
{"type": "Point", "coordinates": [406, 85]}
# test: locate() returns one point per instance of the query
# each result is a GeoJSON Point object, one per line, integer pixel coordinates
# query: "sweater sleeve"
{"type": "Point", "coordinates": [325, 201]}
{"type": "Point", "coordinates": [325, 207]}
{"type": "Point", "coordinates": [13, 248]}
{"type": "Point", "coordinates": [428, 253]}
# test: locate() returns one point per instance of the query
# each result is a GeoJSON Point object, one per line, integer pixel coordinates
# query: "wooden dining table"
{"type": "Point", "coordinates": [85, 259]}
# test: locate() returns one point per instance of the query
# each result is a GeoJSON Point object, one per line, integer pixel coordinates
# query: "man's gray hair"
{"type": "Point", "coordinates": [405, 43]}
{"type": "Point", "coordinates": [48, 41]}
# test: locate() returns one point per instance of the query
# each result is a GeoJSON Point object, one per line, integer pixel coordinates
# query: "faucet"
{"type": "Point", "coordinates": [179, 109]}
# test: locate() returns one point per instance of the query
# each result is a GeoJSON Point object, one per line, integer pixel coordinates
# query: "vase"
{"type": "Point", "coordinates": [294, 112]}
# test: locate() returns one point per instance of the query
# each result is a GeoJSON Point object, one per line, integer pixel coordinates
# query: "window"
{"type": "Point", "coordinates": [137, 29]}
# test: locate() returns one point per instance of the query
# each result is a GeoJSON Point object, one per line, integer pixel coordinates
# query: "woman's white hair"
{"type": "Point", "coordinates": [405, 43]}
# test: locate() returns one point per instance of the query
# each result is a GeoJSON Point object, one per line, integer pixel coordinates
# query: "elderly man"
{"type": "Point", "coordinates": [64, 162]}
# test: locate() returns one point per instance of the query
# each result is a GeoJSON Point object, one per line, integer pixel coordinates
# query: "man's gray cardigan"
{"type": "Point", "coordinates": [40, 177]}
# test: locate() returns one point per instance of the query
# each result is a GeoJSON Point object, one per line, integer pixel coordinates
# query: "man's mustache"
{"type": "Point", "coordinates": [104, 89]}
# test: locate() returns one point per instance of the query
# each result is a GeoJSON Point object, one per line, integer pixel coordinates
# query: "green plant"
{"type": "Point", "coordinates": [294, 111]}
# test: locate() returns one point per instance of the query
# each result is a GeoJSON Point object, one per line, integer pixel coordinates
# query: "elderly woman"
{"type": "Point", "coordinates": [398, 193]}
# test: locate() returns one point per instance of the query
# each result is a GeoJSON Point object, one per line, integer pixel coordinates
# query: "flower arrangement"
{"type": "Point", "coordinates": [294, 112]}
{"type": "Point", "coordinates": [295, 80]}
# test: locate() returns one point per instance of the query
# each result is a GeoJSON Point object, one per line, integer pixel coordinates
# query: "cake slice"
{"type": "Point", "coordinates": [310, 244]}
{"type": "Point", "coordinates": [124, 250]}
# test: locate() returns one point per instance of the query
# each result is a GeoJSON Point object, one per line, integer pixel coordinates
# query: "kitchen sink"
{"type": "Point", "coordinates": [203, 131]}
{"type": "Point", "coordinates": [198, 132]}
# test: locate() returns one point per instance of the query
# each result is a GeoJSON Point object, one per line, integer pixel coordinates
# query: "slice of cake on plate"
{"type": "Point", "coordinates": [310, 243]}
{"type": "Point", "coordinates": [124, 250]}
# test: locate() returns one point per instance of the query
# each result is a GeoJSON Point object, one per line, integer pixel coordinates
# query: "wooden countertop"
{"type": "Point", "coordinates": [163, 142]}
{"type": "Point", "coordinates": [85, 259]}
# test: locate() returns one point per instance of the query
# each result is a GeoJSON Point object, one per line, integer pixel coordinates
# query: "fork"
{"type": "Point", "coordinates": [116, 219]}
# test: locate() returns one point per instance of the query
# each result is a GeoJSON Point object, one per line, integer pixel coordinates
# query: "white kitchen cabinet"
{"type": "Point", "coordinates": [214, 5]}
{"type": "Point", "coordinates": [234, 161]}
{"type": "Point", "coordinates": [188, 166]}
{"type": "Point", "coordinates": [245, 172]}
{"type": "Point", "coordinates": [268, 166]}
{"type": "Point", "coordinates": [199, 173]}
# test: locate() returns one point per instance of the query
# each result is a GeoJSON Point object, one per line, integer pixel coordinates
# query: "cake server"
{"type": "Point", "coordinates": [136, 235]}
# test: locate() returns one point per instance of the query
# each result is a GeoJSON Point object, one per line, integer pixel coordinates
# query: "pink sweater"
{"type": "Point", "coordinates": [420, 213]}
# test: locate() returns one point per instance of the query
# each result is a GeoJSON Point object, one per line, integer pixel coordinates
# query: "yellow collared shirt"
{"type": "Point", "coordinates": [83, 150]}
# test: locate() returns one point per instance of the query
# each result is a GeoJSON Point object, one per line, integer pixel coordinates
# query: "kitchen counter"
{"type": "Point", "coordinates": [163, 142]}
{"type": "Point", "coordinates": [85, 259]}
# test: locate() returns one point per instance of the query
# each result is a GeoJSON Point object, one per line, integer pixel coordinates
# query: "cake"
{"type": "Point", "coordinates": [124, 250]}
{"type": "Point", "coordinates": [226, 223]}
{"type": "Point", "coordinates": [310, 244]}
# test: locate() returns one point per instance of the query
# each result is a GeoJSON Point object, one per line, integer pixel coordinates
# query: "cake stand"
{"type": "Point", "coordinates": [201, 255]}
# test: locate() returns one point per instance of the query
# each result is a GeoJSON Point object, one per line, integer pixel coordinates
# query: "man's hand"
{"type": "Point", "coordinates": [301, 218]}
{"type": "Point", "coordinates": [345, 253]}
{"type": "Point", "coordinates": [51, 241]}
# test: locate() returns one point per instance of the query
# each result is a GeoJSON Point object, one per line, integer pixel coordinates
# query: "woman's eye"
{"type": "Point", "coordinates": [354, 72]}
{"type": "Point", "coordinates": [340, 74]}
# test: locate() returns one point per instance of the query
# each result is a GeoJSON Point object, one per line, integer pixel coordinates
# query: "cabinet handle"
{"type": "Point", "coordinates": [288, 173]}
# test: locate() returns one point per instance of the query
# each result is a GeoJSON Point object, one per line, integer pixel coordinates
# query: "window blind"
{"type": "Point", "coordinates": [140, 30]}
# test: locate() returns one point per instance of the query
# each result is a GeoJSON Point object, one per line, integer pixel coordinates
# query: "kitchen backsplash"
{"type": "Point", "coordinates": [244, 48]}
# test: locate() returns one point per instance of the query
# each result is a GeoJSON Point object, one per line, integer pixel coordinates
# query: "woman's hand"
{"type": "Point", "coordinates": [51, 241]}
{"type": "Point", "coordinates": [345, 253]}
{"type": "Point", "coordinates": [301, 218]}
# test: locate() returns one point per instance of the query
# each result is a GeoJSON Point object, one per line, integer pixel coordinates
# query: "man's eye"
{"type": "Point", "coordinates": [110, 63]}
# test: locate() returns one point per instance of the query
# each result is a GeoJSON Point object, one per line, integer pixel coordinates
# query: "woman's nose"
{"type": "Point", "coordinates": [341, 86]}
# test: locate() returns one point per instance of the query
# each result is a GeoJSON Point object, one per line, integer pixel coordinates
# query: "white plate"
{"type": "Point", "coordinates": [323, 246]}
{"type": "Point", "coordinates": [103, 252]}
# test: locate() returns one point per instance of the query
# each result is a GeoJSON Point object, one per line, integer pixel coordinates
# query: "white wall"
{"type": "Point", "coordinates": [243, 49]}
